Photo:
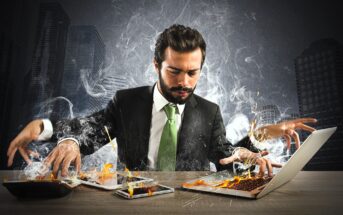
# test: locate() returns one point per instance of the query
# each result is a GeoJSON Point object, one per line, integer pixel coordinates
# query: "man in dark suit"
{"type": "Point", "coordinates": [163, 127]}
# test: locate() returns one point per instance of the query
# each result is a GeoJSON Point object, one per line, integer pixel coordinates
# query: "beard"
{"type": "Point", "coordinates": [167, 92]}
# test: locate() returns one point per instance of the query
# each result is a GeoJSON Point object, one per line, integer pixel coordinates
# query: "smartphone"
{"type": "Point", "coordinates": [146, 191]}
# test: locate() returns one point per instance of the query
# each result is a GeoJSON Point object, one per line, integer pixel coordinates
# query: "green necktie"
{"type": "Point", "coordinates": [166, 159]}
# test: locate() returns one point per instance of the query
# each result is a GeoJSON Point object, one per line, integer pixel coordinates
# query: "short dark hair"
{"type": "Point", "coordinates": [181, 39]}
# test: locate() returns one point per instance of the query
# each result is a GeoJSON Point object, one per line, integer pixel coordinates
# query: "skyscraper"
{"type": "Point", "coordinates": [319, 80]}
{"type": "Point", "coordinates": [43, 81]}
{"type": "Point", "coordinates": [85, 56]}
{"type": "Point", "coordinates": [17, 19]}
{"type": "Point", "coordinates": [268, 114]}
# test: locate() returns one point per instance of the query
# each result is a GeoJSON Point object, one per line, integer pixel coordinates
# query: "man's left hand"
{"type": "Point", "coordinates": [286, 130]}
{"type": "Point", "coordinates": [245, 156]}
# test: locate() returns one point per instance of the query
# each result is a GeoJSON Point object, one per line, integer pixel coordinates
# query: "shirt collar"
{"type": "Point", "coordinates": [160, 101]}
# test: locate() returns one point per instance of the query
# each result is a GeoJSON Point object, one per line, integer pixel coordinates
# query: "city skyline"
{"type": "Point", "coordinates": [245, 76]}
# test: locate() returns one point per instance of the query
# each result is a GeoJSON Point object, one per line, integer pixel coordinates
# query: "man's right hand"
{"type": "Point", "coordinates": [30, 133]}
{"type": "Point", "coordinates": [64, 154]}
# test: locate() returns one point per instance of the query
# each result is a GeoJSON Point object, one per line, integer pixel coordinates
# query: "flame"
{"type": "Point", "coordinates": [128, 172]}
{"type": "Point", "coordinates": [230, 183]}
{"type": "Point", "coordinates": [130, 189]}
{"type": "Point", "coordinates": [106, 173]}
{"type": "Point", "coordinates": [52, 176]}
{"type": "Point", "coordinates": [227, 183]}
{"type": "Point", "coordinates": [150, 192]}
{"type": "Point", "coordinates": [129, 185]}
{"type": "Point", "coordinates": [102, 177]}
{"type": "Point", "coordinates": [196, 183]}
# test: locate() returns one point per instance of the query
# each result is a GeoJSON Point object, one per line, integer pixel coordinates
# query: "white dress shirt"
{"type": "Point", "coordinates": [158, 120]}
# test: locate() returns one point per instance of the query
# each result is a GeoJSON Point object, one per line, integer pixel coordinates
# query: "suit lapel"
{"type": "Point", "coordinates": [146, 106]}
{"type": "Point", "coordinates": [187, 122]}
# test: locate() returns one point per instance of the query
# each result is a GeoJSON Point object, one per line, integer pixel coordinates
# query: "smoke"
{"type": "Point", "coordinates": [60, 105]}
{"type": "Point", "coordinates": [232, 76]}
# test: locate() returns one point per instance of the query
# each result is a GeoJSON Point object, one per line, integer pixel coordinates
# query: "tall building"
{"type": "Point", "coordinates": [85, 56]}
{"type": "Point", "coordinates": [17, 19]}
{"type": "Point", "coordinates": [267, 114]}
{"type": "Point", "coordinates": [319, 77]}
{"type": "Point", "coordinates": [44, 80]}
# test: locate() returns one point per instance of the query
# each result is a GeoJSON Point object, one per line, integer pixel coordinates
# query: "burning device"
{"type": "Point", "coordinates": [251, 187]}
{"type": "Point", "coordinates": [108, 178]}
{"type": "Point", "coordinates": [110, 181]}
{"type": "Point", "coordinates": [144, 190]}
{"type": "Point", "coordinates": [41, 187]}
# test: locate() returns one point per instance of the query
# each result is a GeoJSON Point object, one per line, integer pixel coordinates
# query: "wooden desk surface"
{"type": "Point", "coordinates": [308, 193]}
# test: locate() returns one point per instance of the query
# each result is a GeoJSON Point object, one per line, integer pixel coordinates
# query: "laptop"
{"type": "Point", "coordinates": [214, 183]}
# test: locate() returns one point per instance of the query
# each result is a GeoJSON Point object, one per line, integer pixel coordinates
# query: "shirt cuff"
{"type": "Point", "coordinates": [47, 130]}
{"type": "Point", "coordinates": [69, 138]}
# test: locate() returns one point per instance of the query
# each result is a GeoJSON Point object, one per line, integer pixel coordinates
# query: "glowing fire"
{"type": "Point", "coordinates": [129, 185]}
{"type": "Point", "coordinates": [130, 189]}
{"type": "Point", "coordinates": [128, 172]}
{"type": "Point", "coordinates": [244, 182]}
{"type": "Point", "coordinates": [229, 183]}
{"type": "Point", "coordinates": [50, 177]}
{"type": "Point", "coordinates": [150, 192]}
{"type": "Point", "coordinates": [105, 176]}
{"type": "Point", "coordinates": [106, 173]}
{"type": "Point", "coordinates": [196, 183]}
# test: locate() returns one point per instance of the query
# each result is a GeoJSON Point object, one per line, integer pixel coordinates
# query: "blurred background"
{"type": "Point", "coordinates": [266, 60]}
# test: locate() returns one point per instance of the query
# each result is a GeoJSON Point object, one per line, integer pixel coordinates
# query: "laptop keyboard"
{"type": "Point", "coordinates": [247, 184]}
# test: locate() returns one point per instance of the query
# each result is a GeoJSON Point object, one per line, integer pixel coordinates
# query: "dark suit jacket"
{"type": "Point", "coordinates": [202, 136]}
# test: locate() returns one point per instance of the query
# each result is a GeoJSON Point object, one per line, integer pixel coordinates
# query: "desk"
{"type": "Point", "coordinates": [308, 193]}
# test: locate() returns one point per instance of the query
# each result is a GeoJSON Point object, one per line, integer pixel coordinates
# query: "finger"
{"type": "Point", "coordinates": [66, 164]}
{"type": "Point", "coordinates": [264, 153]}
{"type": "Point", "coordinates": [11, 157]}
{"type": "Point", "coordinates": [258, 156]}
{"type": "Point", "coordinates": [228, 160]}
{"type": "Point", "coordinates": [18, 143]}
{"type": "Point", "coordinates": [12, 149]}
{"type": "Point", "coordinates": [50, 158]}
{"type": "Point", "coordinates": [269, 167]}
{"type": "Point", "coordinates": [252, 160]}
{"type": "Point", "coordinates": [25, 155]}
{"type": "Point", "coordinates": [57, 164]}
{"type": "Point", "coordinates": [295, 136]}
{"type": "Point", "coordinates": [14, 144]}
{"type": "Point", "coordinates": [288, 141]}
{"type": "Point", "coordinates": [276, 165]}
{"type": "Point", "coordinates": [289, 132]}
{"type": "Point", "coordinates": [78, 163]}
{"type": "Point", "coordinates": [306, 127]}
{"type": "Point", "coordinates": [34, 154]}
{"type": "Point", "coordinates": [305, 120]}
{"type": "Point", "coordinates": [262, 163]}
